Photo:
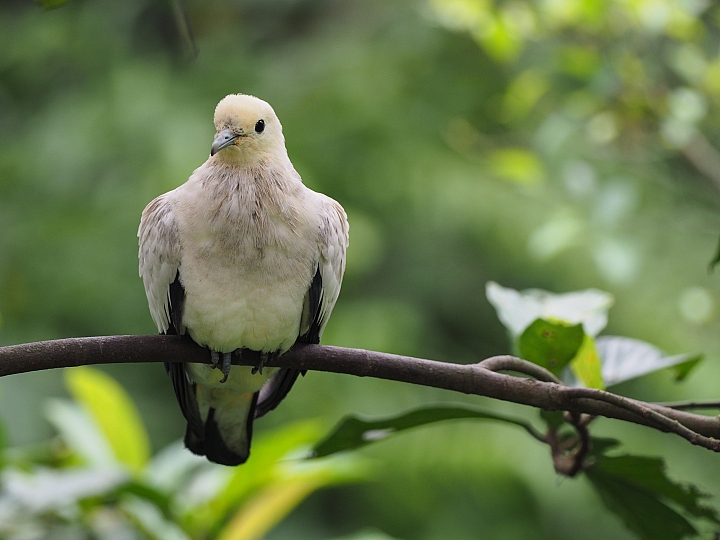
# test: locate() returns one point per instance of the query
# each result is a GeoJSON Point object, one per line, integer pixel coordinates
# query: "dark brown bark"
{"type": "Point", "coordinates": [478, 379]}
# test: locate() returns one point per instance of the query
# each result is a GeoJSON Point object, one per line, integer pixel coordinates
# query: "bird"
{"type": "Point", "coordinates": [242, 256]}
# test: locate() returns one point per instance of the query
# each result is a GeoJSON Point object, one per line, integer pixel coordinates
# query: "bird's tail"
{"type": "Point", "coordinates": [227, 429]}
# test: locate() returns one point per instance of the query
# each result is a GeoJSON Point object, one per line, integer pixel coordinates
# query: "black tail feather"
{"type": "Point", "coordinates": [212, 443]}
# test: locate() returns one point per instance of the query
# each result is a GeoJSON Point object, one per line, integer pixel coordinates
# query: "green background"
{"type": "Point", "coordinates": [561, 145]}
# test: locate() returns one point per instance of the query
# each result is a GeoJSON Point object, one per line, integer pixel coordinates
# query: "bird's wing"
{"type": "Point", "coordinates": [325, 287]}
{"type": "Point", "coordinates": [159, 269]}
{"type": "Point", "coordinates": [319, 300]}
{"type": "Point", "coordinates": [159, 261]}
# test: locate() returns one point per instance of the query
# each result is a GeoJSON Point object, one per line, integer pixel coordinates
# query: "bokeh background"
{"type": "Point", "coordinates": [559, 144]}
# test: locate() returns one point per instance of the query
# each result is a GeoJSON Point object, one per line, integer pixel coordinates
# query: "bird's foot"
{"type": "Point", "coordinates": [214, 358]}
{"type": "Point", "coordinates": [226, 365]}
{"type": "Point", "coordinates": [265, 357]}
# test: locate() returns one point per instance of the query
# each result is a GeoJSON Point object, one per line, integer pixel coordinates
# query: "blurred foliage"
{"type": "Point", "coordinates": [561, 144]}
{"type": "Point", "coordinates": [633, 487]}
{"type": "Point", "coordinates": [85, 484]}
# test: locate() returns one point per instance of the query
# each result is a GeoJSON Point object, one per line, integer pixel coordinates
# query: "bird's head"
{"type": "Point", "coordinates": [247, 130]}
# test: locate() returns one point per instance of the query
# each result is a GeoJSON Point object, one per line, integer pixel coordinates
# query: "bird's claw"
{"type": "Point", "coordinates": [261, 364]}
{"type": "Point", "coordinates": [214, 358]}
{"type": "Point", "coordinates": [265, 357]}
{"type": "Point", "coordinates": [226, 364]}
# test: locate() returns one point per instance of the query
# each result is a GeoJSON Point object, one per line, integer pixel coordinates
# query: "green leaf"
{"type": "Point", "coordinates": [586, 365]}
{"type": "Point", "coordinates": [641, 512]}
{"type": "Point", "coordinates": [256, 474]}
{"type": "Point", "coordinates": [549, 344]}
{"type": "Point", "coordinates": [253, 520]}
{"type": "Point", "coordinates": [171, 467]}
{"type": "Point", "coordinates": [553, 419]}
{"type": "Point", "coordinates": [141, 490]}
{"type": "Point", "coordinates": [294, 481]}
{"type": "Point", "coordinates": [353, 432]}
{"type": "Point", "coordinates": [519, 309]}
{"type": "Point", "coordinates": [601, 445]}
{"type": "Point", "coordinates": [80, 432]}
{"type": "Point", "coordinates": [149, 518]}
{"type": "Point", "coordinates": [626, 358]}
{"type": "Point", "coordinates": [114, 413]}
{"type": "Point", "coordinates": [638, 491]}
{"type": "Point", "coordinates": [683, 369]}
{"type": "Point", "coordinates": [649, 473]}
{"type": "Point", "coordinates": [44, 489]}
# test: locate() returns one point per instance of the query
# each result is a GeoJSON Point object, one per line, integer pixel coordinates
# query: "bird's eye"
{"type": "Point", "coordinates": [260, 126]}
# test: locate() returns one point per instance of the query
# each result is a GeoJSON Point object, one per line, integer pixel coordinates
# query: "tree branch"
{"type": "Point", "coordinates": [478, 379]}
{"type": "Point", "coordinates": [691, 404]}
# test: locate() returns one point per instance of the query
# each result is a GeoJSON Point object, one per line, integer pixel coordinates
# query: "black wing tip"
{"type": "Point", "coordinates": [275, 390]}
{"type": "Point", "coordinates": [312, 336]}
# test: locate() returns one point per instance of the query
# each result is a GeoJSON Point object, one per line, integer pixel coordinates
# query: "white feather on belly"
{"type": "Point", "coordinates": [245, 268]}
{"type": "Point", "coordinates": [247, 317]}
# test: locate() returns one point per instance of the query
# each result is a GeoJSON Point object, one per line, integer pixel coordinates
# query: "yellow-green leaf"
{"type": "Point", "coordinates": [586, 364]}
{"type": "Point", "coordinates": [292, 482]}
{"type": "Point", "coordinates": [263, 512]}
{"type": "Point", "coordinates": [254, 476]}
{"type": "Point", "coordinates": [114, 412]}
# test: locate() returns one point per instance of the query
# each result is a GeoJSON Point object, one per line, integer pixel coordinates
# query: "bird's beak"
{"type": "Point", "coordinates": [223, 139]}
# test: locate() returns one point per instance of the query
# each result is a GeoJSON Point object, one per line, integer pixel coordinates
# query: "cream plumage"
{"type": "Point", "coordinates": [241, 256]}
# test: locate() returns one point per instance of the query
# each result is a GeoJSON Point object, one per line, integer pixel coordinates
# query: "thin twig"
{"type": "Point", "coordinates": [690, 405]}
{"type": "Point", "coordinates": [512, 363]}
{"type": "Point", "coordinates": [644, 410]}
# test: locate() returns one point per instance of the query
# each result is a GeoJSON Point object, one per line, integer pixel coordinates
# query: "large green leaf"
{"type": "Point", "coordinates": [649, 473]}
{"type": "Point", "coordinates": [550, 344]}
{"type": "Point", "coordinates": [353, 432]}
{"type": "Point", "coordinates": [642, 512]}
{"type": "Point", "coordinates": [639, 492]}
{"type": "Point", "coordinates": [114, 412]}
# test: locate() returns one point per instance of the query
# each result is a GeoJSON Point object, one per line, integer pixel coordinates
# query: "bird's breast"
{"type": "Point", "coordinates": [246, 271]}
